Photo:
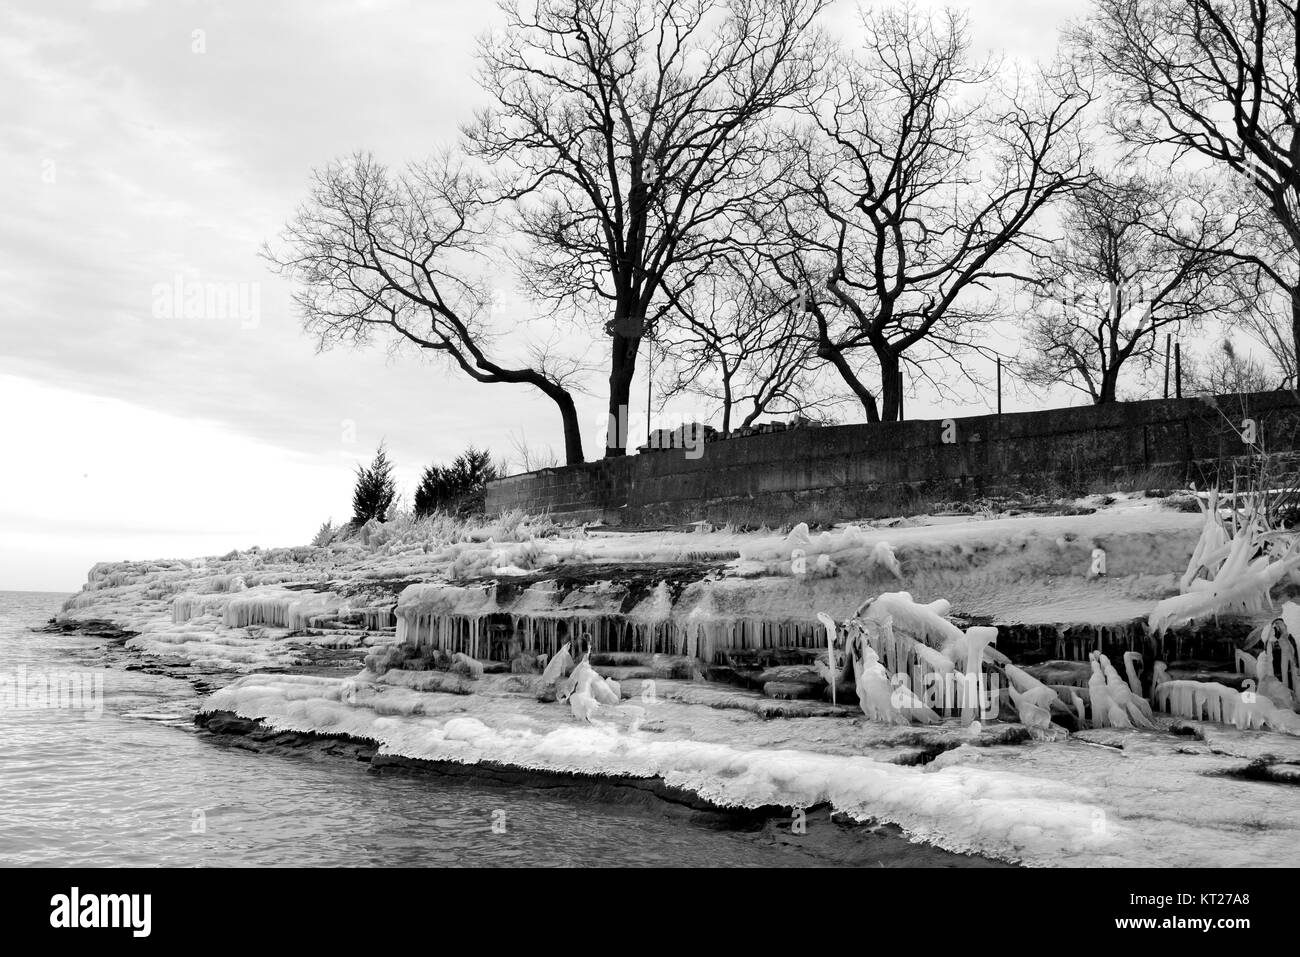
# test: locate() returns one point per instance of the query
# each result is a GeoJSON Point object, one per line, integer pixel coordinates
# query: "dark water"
{"type": "Point", "coordinates": [138, 786]}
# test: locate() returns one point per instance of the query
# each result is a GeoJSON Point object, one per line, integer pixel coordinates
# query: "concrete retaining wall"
{"type": "Point", "coordinates": [860, 471]}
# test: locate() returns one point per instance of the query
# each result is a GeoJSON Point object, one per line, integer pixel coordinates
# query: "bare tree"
{"type": "Point", "coordinates": [400, 256]}
{"type": "Point", "coordinates": [1219, 79]}
{"type": "Point", "coordinates": [626, 132]}
{"type": "Point", "coordinates": [1267, 312]}
{"type": "Point", "coordinates": [1227, 371]}
{"type": "Point", "coordinates": [916, 186]}
{"type": "Point", "coordinates": [1133, 262]}
{"type": "Point", "coordinates": [530, 458]}
{"type": "Point", "coordinates": [1264, 325]}
{"type": "Point", "coordinates": [741, 343]}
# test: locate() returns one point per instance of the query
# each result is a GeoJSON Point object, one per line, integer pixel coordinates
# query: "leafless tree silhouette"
{"type": "Point", "coordinates": [916, 188]}
{"type": "Point", "coordinates": [1224, 370]}
{"type": "Point", "coordinates": [625, 133]}
{"type": "Point", "coordinates": [402, 256]}
{"type": "Point", "coordinates": [739, 341]}
{"type": "Point", "coordinates": [1219, 79]}
{"type": "Point", "coordinates": [1133, 261]}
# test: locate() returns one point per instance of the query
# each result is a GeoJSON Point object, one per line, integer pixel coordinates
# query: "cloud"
{"type": "Point", "coordinates": [132, 159]}
{"type": "Point", "coordinates": [138, 161]}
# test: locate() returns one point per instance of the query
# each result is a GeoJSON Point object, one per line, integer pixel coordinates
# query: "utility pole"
{"type": "Point", "coordinates": [900, 393]}
{"type": "Point", "coordinates": [649, 386]}
{"type": "Point", "coordinates": [1178, 370]}
{"type": "Point", "coordinates": [1168, 340]}
{"type": "Point", "coordinates": [999, 385]}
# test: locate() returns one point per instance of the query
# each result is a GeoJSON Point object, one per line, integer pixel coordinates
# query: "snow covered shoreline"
{"type": "Point", "coordinates": [1099, 797]}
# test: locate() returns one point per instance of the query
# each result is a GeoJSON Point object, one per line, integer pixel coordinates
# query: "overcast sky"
{"type": "Point", "coordinates": [139, 153]}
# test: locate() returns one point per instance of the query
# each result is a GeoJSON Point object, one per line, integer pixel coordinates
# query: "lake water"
{"type": "Point", "coordinates": [139, 786]}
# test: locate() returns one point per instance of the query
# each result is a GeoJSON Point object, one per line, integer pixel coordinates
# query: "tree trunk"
{"type": "Point", "coordinates": [836, 358]}
{"type": "Point", "coordinates": [1294, 371]}
{"type": "Point", "coordinates": [568, 416]}
{"type": "Point", "coordinates": [891, 395]}
{"type": "Point", "coordinates": [1109, 385]}
{"type": "Point", "coordinates": [572, 430]}
{"type": "Point", "coordinates": [622, 367]}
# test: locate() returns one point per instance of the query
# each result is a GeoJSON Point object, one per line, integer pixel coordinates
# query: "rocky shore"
{"type": "Point", "coordinates": [347, 651]}
{"type": "Point", "coordinates": [818, 831]}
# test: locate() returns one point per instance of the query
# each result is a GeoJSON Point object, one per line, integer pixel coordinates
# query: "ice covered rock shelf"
{"type": "Point", "coordinates": [635, 593]}
{"type": "Point", "coordinates": [722, 622]}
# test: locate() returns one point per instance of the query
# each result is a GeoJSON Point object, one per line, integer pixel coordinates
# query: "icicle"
{"type": "Point", "coordinates": [1198, 700]}
{"type": "Point", "coordinates": [977, 639]}
{"type": "Point", "coordinates": [831, 671]}
{"type": "Point", "coordinates": [1289, 643]}
{"type": "Point", "coordinates": [881, 697]}
{"type": "Point", "coordinates": [1130, 670]}
{"type": "Point", "coordinates": [298, 614]}
{"type": "Point", "coordinates": [257, 610]}
{"type": "Point", "coordinates": [1269, 685]}
{"type": "Point", "coordinates": [187, 606]}
{"type": "Point", "coordinates": [1134, 707]}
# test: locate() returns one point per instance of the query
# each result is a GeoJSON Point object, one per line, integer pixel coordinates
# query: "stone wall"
{"type": "Point", "coordinates": [861, 471]}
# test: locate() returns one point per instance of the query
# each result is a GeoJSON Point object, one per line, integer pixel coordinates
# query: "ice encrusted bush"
{"type": "Point", "coordinates": [403, 532]}
{"type": "Point", "coordinates": [325, 534]}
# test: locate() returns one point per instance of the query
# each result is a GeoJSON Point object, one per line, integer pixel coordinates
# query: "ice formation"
{"type": "Point", "coordinates": [1288, 641]}
{"type": "Point", "coordinates": [484, 600]}
{"type": "Point", "coordinates": [977, 639]}
{"type": "Point", "coordinates": [1034, 707]}
{"type": "Point", "coordinates": [1000, 812]}
{"type": "Point", "coordinates": [464, 664]}
{"type": "Point", "coordinates": [1240, 571]}
{"type": "Point", "coordinates": [264, 608]}
{"type": "Point", "coordinates": [591, 697]}
{"type": "Point", "coordinates": [559, 665]}
{"type": "Point", "coordinates": [1198, 700]}
{"type": "Point", "coordinates": [883, 697]}
{"type": "Point", "coordinates": [832, 670]}
{"type": "Point", "coordinates": [704, 622]}
{"type": "Point", "coordinates": [190, 605]}
{"type": "Point", "coordinates": [883, 555]}
{"type": "Point", "coordinates": [585, 680]}
{"type": "Point", "coordinates": [1132, 660]}
{"type": "Point", "coordinates": [926, 622]}
{"type": "Point", "coordinates": [1269, 685]}
{"type": "Point", "coordinates": [905, 678]}
{"type": "Point", "coordinates": [1114, 703]}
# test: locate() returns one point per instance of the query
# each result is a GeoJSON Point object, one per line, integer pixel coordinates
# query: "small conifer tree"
{"type": "Point", "coordinates": [375, 489]}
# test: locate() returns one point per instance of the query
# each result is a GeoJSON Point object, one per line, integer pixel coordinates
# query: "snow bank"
{"type": "Point", "coordinates": [1146, 800]}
